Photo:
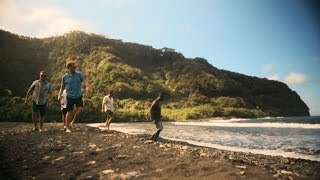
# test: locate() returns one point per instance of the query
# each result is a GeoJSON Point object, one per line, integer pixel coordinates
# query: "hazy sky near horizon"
{"type": "Point", "coordinates": [274, 39]}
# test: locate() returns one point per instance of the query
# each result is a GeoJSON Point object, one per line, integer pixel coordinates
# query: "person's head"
{"type": "Point", "coordinates": [110, 92]}
{"type": "Point", "coordinates": [71, 66]}
{"type": "Point", "coordinates": [43, 75]}
{"type": "Point", "coordinates": [161, 96]}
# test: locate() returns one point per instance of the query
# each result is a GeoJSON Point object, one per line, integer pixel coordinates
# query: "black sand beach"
{"type": "Point", "coordinates": [92, 153]}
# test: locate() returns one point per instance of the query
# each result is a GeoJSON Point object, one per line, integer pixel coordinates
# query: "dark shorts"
{"type": "Point", "coordinates": [109, 113]}
{"type": "Point", "coordinates": [41, 109]}
{"type": "Point", "coordinates": [74, 101]}
{"type": "Point", "coordinates": [158, 124]}
{"type": "Point", "coordinates": [64, 111]}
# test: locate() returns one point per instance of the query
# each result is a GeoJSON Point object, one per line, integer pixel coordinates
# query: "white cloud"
{"type": "Point", "coordinates": [295, 78]}
{"type": "Point", "coordinates": [39, 19]}
{"type": "Point", "coordinates": [274, 77]}
{"type": "Point", "coordinates": [267, 67]}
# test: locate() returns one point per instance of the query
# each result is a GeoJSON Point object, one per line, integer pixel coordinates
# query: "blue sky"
{"type": "Point", "coordinates": [275, 39]}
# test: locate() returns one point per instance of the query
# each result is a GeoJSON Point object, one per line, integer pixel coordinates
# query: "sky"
{"type": "Point", "coordinates": [274, 39]}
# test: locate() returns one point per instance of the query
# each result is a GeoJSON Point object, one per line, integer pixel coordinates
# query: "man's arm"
{"type": "Point", "coordinates": [102, 105]}
{"type": "Point", "coordinates": [28, 93]}
{"type": "Point", "coordinates": [153, 105]}
{"type": "Point", "coordinates": [49, 92]}
{"type": "Point", "coordinates": [62, 87]}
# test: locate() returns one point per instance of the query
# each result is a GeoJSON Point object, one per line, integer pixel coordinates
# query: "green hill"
{"type": "Point", "coordinates": [136, 73]}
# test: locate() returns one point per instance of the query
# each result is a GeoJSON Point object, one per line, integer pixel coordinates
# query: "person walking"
{"type": "Point", "coordinates": [41, 89]}
{"type": "Point", "coordinates": [107, 107]}
{"type": "Point", "coordinates": [155, 112]}
{"type": "Point", "coordinates": [72, 82]}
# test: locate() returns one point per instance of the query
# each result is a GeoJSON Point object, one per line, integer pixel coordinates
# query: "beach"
{"type": "Point", "coordinates": [95, 153]}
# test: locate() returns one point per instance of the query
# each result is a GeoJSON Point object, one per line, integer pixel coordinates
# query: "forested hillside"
{"type": "Point", "coordinates": [136, 73]}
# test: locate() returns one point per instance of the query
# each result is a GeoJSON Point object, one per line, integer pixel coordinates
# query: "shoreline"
{"type": "Point", "coordinates": [90, 152]}
{"type": "Point", "coordinates": [276, 164]}
{"type": "Point", "coordinates": [274, 153]}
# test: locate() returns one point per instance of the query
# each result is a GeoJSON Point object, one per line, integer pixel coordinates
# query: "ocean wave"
{"type": "Point", "coordinates": [218, 123]}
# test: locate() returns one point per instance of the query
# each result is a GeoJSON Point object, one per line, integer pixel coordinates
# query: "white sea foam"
{"type": "Point", "coordinates": [218, 123]}
{"type": "Point", "coordinates": [270, 142]}
{"type": "Point", "coordinates": [255, 151]}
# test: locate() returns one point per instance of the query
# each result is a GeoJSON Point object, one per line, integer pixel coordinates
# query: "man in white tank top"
{"type": "Point", "coordinates": [107, 107]}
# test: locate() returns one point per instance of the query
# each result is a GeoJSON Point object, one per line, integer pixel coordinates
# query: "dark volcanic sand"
{"type": "Point", "coordinates": [92, 153]}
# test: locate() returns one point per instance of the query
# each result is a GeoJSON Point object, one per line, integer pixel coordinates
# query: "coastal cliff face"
{"type": "Point", "coordinates": [139, 72]}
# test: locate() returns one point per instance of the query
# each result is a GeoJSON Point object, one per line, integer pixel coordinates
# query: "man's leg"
{"type": "Point", "coordinates": [63, 117]}
{"type": "Point", "coordinates": [107, 118]}
{"type": "Point", "coordinates": [159, 126]}
{"type": "Point", "coordinates": [109, 122]}
{"type": "Point", "coordinates": [110, 114]}
{"type": "Point", "coordinates": [69, 118]}
{"type": "Point", "coordinates": [35, 120]}
{"type": "Point", "coordinates": [41, 119]}
{"type": "Point", "coordinates": [156, 135]}
{"type": "Point", "coordinates": [42, 112]}
{"type": "Point", "coordinates": [76, 115]}
{"type": "Point", "coordinates": [35, 116]}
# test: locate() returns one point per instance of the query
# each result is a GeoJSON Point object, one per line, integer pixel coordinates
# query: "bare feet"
{"type": "Point", "coordinates": [35, 129]}
{"type": "Point", "coordinates": [68, 130]}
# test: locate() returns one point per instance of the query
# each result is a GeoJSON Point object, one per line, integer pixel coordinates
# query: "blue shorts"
{"type": "Point", "coordinates": [74, 101]}
{"type": "Point", "coordinates": [41, 109]}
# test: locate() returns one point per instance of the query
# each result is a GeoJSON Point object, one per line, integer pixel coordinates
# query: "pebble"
{"type": "Point", "coordinates": [148, 142]}
{"type": "Point", "coordinates": [122, 156]}
{"type": "Point", "coordinates": [286, 172]}
{"type": "Point", "coordinates": [185, 148]}
{"type": "Point", "coordinates": [203, 155]}
{"type": "Point", "coordinates": [46, 158]}
{"type": "Point", "coordinates": [132, 173]}
{"type": "Point", "coordinates": [91, 162]}
{"type": "Point", "coordinates": [108, 171]}
{"type": "Point", "coordinates": [59, 158]}
{"type": "Point", "coordinates": [161, 146]}
{"type": "Point", "coordinates": [241, 167]}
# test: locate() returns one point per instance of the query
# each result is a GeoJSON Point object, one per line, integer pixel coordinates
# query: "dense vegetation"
{"type": "Point", "coordinates": [137, 73]}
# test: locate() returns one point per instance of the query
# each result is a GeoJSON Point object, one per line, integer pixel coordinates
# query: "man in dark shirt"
{"type": "Point", "coordinates": [155, 112]}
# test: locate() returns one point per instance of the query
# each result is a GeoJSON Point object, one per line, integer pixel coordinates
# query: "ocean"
{"type": "Point", "coordinates": [295, 137]}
